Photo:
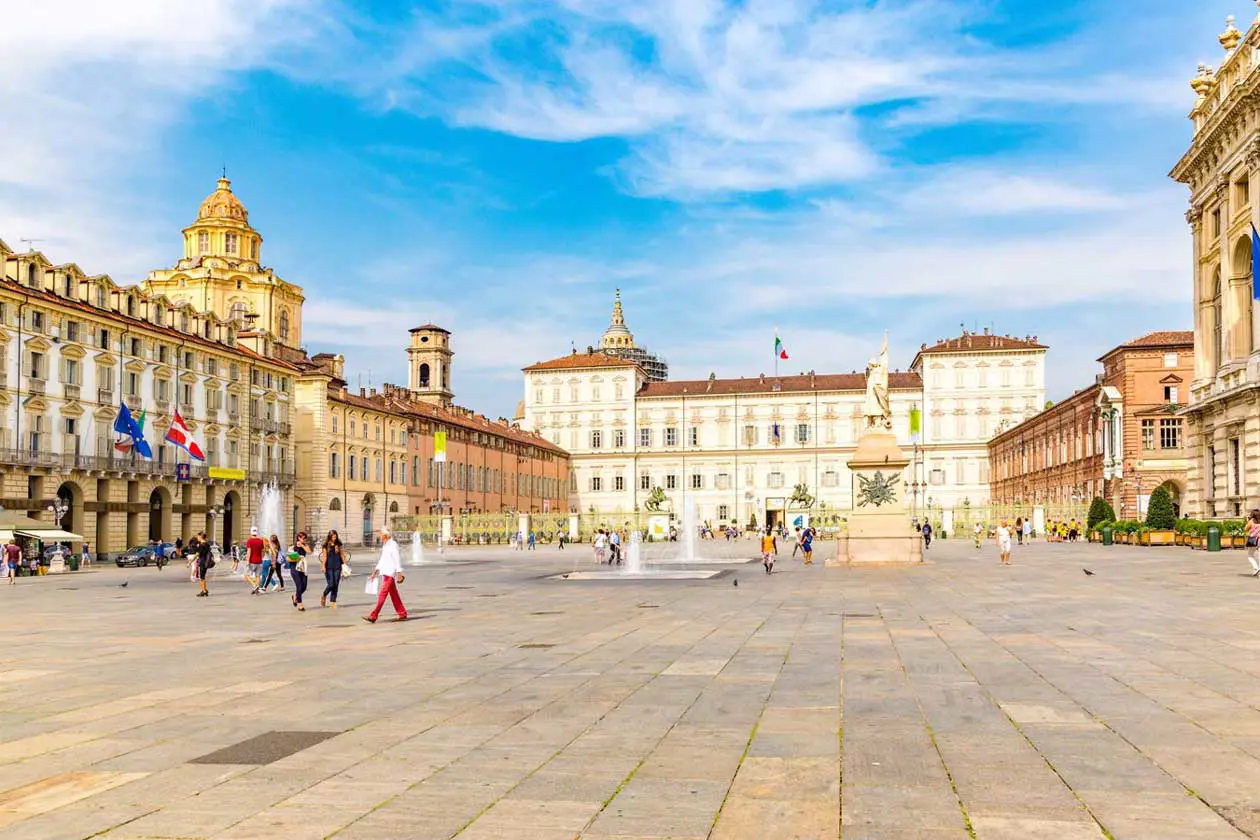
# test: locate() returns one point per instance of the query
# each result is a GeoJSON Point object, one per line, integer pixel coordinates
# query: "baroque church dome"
{"type": "Point", "coordinates": [223, 204]}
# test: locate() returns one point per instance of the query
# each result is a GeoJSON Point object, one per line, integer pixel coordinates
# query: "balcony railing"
{"type": "Point", "coordinates": [127, 463]}
{"type": "Point", "coordinates": [72, 391]}
{"type": "Point", "coordinates": [271, 427]}
{"type": "Point", "coordinates": [105, 396]}
{"type": "Point", "coordinates": [36, 386]}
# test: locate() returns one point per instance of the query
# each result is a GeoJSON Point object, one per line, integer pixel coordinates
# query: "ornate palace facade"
{"type": "Point", "coordinates": [738, 448]}
{"type": "Point", "coordinates": [1222, 171]}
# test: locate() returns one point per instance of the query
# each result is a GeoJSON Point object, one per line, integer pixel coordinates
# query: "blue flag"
{"type": "Point", "coordinates": [1255, 264]}
{"type": "Point", "coordinates": [125, 424]}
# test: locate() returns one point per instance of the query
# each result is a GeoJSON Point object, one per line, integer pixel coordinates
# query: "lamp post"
{"type": "Point", "coordinates": [58, 508]}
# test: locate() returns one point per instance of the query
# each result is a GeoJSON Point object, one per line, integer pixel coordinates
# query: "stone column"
{"type": "Point", "coordinates": [1194, 217]}
{"type": "Point", "coordinates": [573, 527]}
{"type": "Point", "coordinates": [522, 525]}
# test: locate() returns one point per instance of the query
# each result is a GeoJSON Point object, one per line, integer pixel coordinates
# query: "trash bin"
{"type": "Point", "coordinates": [1106, 535]}
{"type": "Point", "coordinates": [74, 563]}
{"type": "Point", "coordinates": [1213, 538]}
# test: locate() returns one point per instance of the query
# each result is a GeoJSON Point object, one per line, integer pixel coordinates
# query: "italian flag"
{"type": "Point", "coordinates": [780, 352]}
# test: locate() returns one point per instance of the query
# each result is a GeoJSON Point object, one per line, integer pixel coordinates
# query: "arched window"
{"type": "Point", "coordinates": [284, 324]}
{"type": "Point", "coordinates": [335, 504]}
{"type": "Point", "coordinates": [1218, 331]}
{"type": "Point", "coordinates": [424, 375]}
{"type": "Point", "coordinates": [30, 275]}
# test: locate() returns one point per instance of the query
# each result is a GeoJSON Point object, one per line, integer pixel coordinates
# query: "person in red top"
{"type": "Point", "coordinates": [254, 553]}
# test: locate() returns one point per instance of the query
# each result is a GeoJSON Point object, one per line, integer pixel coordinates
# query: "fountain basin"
{"type": "Point", "coordinates": [639, 577]}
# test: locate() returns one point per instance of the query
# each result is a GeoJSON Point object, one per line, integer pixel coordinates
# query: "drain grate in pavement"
{"type": "Point", "coordinates": [534, 646]}
{"type": "Point", "coordinates": [331, 626]}
{"type": "Point", "coordinates": [457, 587]}
{"type": "Point", "coordinates": [548, 612]}
{"type": "Point", "coordinates": [859, 615]}
{"type": "Point", "coordinates": [255, 641]}
{"type": "Point", "coordinates": [265, 748]}
{"type": "Point", "coordinates": [649, 606]}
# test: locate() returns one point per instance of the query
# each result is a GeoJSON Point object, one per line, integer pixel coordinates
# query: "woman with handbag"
{"type": "Point", "coordinates": [1253, 542]}
{"type": "Point", "coordinates": [332, 559]}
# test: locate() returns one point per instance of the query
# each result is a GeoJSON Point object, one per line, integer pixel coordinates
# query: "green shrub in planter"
{"type": "Point", "coordinates": [1159, 511]}
{"type": "Point", "coordinates": [1100, 511]}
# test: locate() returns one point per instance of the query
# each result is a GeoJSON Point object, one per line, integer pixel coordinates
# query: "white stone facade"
{"type": "Point", "coordinates": [737, 448]}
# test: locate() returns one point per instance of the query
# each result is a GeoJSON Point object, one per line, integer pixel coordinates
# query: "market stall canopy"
{"type": "Point", "coordinates": [47, 534]}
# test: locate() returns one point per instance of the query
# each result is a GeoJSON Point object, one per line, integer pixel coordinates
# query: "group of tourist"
{"type": "Point", "coordinates": [266, 561]}
{"type": "Point", "coordinates": [1063, 530]}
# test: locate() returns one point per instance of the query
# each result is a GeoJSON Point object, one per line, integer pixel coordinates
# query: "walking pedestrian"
{"type": "Point", "coordinates": [12, 558]}
{"type": "Point", "coordinates": [769, 548]}
{"type": "Point", "coordinates": [254, 548]}
{"type": "Point", "coordinates": [614, 543]}
{"type": "Point", "coordinates": [332, 558]}
{"type": "Point", "coordinates": [1028, 530]}
{"type": "Point", "coordinates": [389, 570]}
{"type": "Point", "coordinates": [1019, 529]}
{"type": "Point", "coordinates": [86, 558]}
{"type": "Point", "coordinates": [276, 559]}
{"type": "Point", "coordinates": [1003, 538]}
{"type": "Point", "coordinates": [807, 545]}
{"type": "Point", "coordinates": [562, 539]}
{"type": "Point", "coordinates": [601, 543]}
{"type": "Point", "coordinates": [796, 543]}
{"type": "Point", "coordinates": [205, 562]}
{"type": "Point", "coordinates": [297, 569]}
{"type": "Point", "coordinates": [927, 535]}
{"type": "Point", "coordinates": [533, 539]}
{"type": "Point", "coordinates": [979, 532]}
{"type": "Point", "coordinates": [1253, 542]}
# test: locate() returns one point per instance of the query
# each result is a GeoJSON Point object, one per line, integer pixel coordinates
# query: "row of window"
{"type": "Point", "coordinates": [37, 436]}
{"type": "Point", "coordinates": [448, 475]}
{"type": "Point", "coordinates": [619, 392]}
{"type": "Point", "coordinates": [962, 379]}
{"type": "Point", "coordinates": [1164, 434]}
{"type": "Point", "coordinates": [963, 471]}
{"type": "Point", "coordinates": [130, 303]}
{"type": "Point", "coordinates": [396, 435]}
{"type": "Point", "coordinates": [103, 338]}
{"type": "Point", "coordinates": [231, 244]}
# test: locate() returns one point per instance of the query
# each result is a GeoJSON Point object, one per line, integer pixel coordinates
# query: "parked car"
{"type": "Point", "coordinates": [143, 555]}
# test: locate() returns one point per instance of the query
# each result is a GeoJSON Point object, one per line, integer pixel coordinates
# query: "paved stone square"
{"type": "Point", "coordinates": [953, 700]}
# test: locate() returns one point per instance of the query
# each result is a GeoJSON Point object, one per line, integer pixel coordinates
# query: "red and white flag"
{"type": "Point", "coordinates": [179, 435]}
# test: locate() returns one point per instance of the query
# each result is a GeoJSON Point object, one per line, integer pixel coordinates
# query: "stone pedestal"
{"type": "Point", "coordinates": [880, 529]}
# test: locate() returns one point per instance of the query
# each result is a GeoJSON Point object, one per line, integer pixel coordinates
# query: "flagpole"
{"type": "Point", "coordinates": [776, 352]}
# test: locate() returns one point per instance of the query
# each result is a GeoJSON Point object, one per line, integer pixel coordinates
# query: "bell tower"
{"type": "Point", "coordinates": [429, 365]}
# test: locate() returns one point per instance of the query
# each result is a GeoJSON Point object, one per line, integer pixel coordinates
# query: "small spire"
{"type": "Point", "coordinates": [1231, 36]}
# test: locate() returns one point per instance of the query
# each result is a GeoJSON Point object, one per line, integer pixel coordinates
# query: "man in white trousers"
{"type": "Point", "coordinates": [389, 569]}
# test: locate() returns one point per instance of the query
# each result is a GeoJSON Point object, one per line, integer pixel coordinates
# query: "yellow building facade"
{"type": "Point", "coordinates": [221, 271]}
{"type": "Point", "coordinates": [73, 348]}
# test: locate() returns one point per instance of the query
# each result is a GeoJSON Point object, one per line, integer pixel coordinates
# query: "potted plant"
{"type": "Point", "coordinates": [1100, 512]}
{"type": "Point", "coordinates": [1234, 533]}
{"type": "Point", "coordinates": [1161, 520]}
{"type": "Point", "coordinates": [1197, 535]}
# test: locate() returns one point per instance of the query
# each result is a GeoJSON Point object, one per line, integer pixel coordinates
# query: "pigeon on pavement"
{"type": "Point", "coordinates": [1087, 572]}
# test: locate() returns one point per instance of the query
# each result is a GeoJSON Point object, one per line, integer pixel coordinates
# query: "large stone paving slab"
{"type": "Point", "coordinates": [959, 699]}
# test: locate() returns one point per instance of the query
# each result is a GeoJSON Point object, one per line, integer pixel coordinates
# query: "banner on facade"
{"type": "Point", "coordinates": [916, 424]}
{"type": "Point", "coordinates": [225, 473]}
{"type": "Point", "coordinates": [439, 446]}
{"type": "Point", "coordinates": [183, 472]}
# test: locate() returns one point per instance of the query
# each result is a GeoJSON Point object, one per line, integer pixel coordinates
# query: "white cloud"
{"type": "Point", "coordinates": [90, 89]}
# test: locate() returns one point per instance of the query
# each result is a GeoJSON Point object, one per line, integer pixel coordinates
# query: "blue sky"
{"type": "Point", "coordinates": [834, 167]}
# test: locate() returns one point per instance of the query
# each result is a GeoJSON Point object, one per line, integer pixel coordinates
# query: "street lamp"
{"type": "Point", "coordinates": [59, 508]}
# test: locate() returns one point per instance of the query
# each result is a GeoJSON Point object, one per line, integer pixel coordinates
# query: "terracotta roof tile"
{"type": "Point", "coordinates": [767, 384]}
{"type": "Point", "coordinates": [392, 402]}
{"type": "Point", "coordinates": [971, 342]}
{"type": "Point", "coordinates": [574, 361]}
{"type": "Point", "coordinates": [1163, 338]}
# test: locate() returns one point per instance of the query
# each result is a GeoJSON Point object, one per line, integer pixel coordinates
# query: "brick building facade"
{"type": "Point", "coordinates": [1119, 438]}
